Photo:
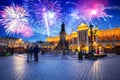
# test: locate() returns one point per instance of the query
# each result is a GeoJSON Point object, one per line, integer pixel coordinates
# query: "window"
{"type": "Point", "coordinates": [75, 40]}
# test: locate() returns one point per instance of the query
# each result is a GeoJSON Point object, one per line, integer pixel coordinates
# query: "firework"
{"type": "Point", "coordinates": [98, 11]}
{"type": "Point", "coordinates": [14, 19]}
{"type": "Point", "coordinates": [47, 13]}
{"type": "Point", "coordinates": [90, 10]}
{"type": "Point", "coordinates": [27, 32]}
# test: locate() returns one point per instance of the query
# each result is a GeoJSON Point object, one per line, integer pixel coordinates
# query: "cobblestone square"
{"type": "Point", "coordinates": [51, 67]}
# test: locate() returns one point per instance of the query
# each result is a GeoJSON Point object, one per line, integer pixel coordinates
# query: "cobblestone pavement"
{"type": "Point", "coordinates": [56, 68]}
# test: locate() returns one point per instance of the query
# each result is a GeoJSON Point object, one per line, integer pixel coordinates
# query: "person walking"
{"type": "Point", "coordinates": [36, 51]}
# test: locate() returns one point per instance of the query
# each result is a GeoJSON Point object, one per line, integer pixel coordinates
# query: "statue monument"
{"type": "Point", "coordinates": [62, 44]}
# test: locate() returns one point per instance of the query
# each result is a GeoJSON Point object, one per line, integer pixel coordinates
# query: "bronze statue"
{"type": "Point", "coordinates": [63, 27]}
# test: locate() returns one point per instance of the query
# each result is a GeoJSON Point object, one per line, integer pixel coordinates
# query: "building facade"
{"type": "Point", "coordinates": [102, 40]}
{"type": "Point", "coordinates": [13, 43]}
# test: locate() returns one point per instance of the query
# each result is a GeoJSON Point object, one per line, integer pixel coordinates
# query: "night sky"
{"type": "Point", "coordinates": [112, 7]}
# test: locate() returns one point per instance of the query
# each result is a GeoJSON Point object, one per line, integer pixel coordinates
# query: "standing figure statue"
{"type": "Point", "coordinates": [63, 27]}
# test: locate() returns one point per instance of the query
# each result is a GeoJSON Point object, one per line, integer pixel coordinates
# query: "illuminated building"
{"type": "Point", "coordinates": [16, 43]}
{"type": "Point", "coordinates": [104, 40]}
{"type": "Point", "coordinates": [9, 41]}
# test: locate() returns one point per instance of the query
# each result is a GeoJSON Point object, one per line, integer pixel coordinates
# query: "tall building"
{"type": "Point", "coordinates": [103, 40]}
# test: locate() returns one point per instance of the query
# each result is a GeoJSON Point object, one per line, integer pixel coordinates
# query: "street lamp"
{"type": "Point", "coordinates": [92, 40]}
{"type": "Point", "coordinates": [95, 32]}
{"type": "Point", "coordinates": [95, 39]}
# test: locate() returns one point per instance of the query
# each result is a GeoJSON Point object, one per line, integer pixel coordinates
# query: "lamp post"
{"type": "Point", "coordinates": [92, 39]}
{"type": "Point", "coordinates": [95, 38]}
{"type": "Point", "coordinates": [95, 32]}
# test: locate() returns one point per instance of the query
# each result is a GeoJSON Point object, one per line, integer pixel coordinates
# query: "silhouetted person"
{"type": "Point", "coordinates": [63, 52]}
{"type": "Point", "coordinates": [42, 52]}
{"type": "Point", "coordinates": [29, 53]}
{"type": "Point", "coordinates": [80, 55]}
{"type": "Point", "coordinates": [36, 51]}
{"type": "Point", "coordinates": [12, 51]}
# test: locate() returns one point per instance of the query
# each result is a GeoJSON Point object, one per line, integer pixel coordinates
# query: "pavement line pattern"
{"type": "Point", "coordinates": [16, 68]}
